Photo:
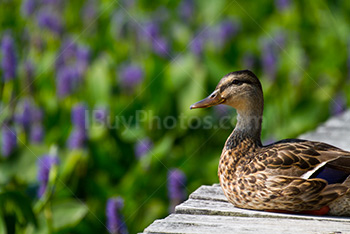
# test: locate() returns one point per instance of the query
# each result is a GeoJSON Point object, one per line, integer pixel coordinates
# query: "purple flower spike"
{"type": "Point", "coordinates": [36, 133]}
{"type": "Point", "coordinates": [269, 140]}
{"type": "Point", "coordinates": [100, 114]}
{"type": "Point", "coordinates": [67, 80]}
{"type": "Point", "coordinates": [151, 31]}
{"type": "Point", "coordinates": [45, 164]}
{"type": "Point", "coordinates": [50, 21]}
{"type": "Point", "coordinates": [176, 185]}
{"type": "Point", "coordinates": [77, 139]}
{"type": "Point", "coordinates": [161, 47]}
{"type": "Point", "coordinates": [222, 111]}
{"type": "Point", "coordinates": [9, 60]}
{"type": "Point", "coordinates": [143, 147]}
{"type": "Point", "coordinates": [78, 116]}
{"type": "Point", "coordinates": [197, 45]}
{"type": "Point", "coordinates": [9, 141]}
{"type": "Point", "coordinates": [115, 222]}
{"type": "Point", "coordinates": [228, 29]}
{"type": "Point", "coordinates": [282, 4]}
{"type": "Point", "coordinates": [29, 74]}
{"type": "Point", "coordinates": [26, 116]}
{"type": "Point", "coordinates": [67, 51]}
{"type": "Point", "coordinates": [82, 59]}
{"type": "Point", "coordinates": [130, 76]}
{"type": "Point", "coordinates": [269, 60]}
{"type": "Point", "coordinates": [28, 7]}
{"type": "Point", "coordinates": [37, 115]}
{"type": "Point", "coordinates": [186, 9]}
{"type": "Point", "coordinates": [89, 11]}
{"type": "Point", "coordinates": [176, 188]}
{"type": "Point", "coordinates": [338, 104]}
{"type": "Point", "coordinates": [248, 61]}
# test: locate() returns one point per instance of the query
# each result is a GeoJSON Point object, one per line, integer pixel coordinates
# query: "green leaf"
{"type": "Point", "coordinates": [18, 204]}
{"type": "Point", "coordinates": [2, 225]}
{"type": "Point", "coordinates": [23, 167]}
{"type": "Point", "coordinates": [67, 213]}
{"type": "Point", "coordinates": [98, 81]}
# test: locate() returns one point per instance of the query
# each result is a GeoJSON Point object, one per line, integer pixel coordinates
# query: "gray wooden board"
{"type": "Point", "coordinates": [200, 204]}
{"type": "Point", "coordinates": [208, 211]}
{"type": "Point", "coordinates": [336, 131]}
{"type": "Point", "coordinates": [184, 223]}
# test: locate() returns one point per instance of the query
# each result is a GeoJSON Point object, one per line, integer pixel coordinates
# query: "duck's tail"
{"type": "Point", "coordinates": [341, 205]}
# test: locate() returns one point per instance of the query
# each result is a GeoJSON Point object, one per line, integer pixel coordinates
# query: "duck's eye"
{"type": "Point", "coordinates": [213, 95]}
{"type": "Point", "coordinates": [237, 82]}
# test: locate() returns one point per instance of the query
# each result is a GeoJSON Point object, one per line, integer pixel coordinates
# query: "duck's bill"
{"type": "Point", "coordinates": [212, 100]}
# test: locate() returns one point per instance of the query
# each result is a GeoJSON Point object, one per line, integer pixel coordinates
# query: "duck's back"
{"type": "Point", "coordinates": [293, 174]}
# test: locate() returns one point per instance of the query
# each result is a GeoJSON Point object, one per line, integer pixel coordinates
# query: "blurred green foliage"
{"type": "Point", "coordinates": [299, 50]}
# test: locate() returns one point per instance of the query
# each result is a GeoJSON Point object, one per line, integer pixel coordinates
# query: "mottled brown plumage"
{"type": "Point", "coordinates": [280, 176]}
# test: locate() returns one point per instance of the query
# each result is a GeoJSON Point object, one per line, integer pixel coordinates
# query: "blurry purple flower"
{"type": "Point", "coordinates": [100, 114]}
{"type": "Point", "coordinates": [67, 80]}
{"type": "Point", "coordinates": [161, 47]}
{"type": "Point", "coordinates": [45, 164]}
{"type": "Point", "coordinates": [248, 61]}
{"type": "Point", "coordinates": [82, 59]}
{"type": "Point", "coordinates": [151, 31]}
{"type": "Point", "coordinates": [73, 59]}
{"type": "Point", "coordinates": [269, 60]}
{"type": "Point", "coordinates": [25, 118]}
{"type": "Point", "coordinates": [282, 4]}
{"type": "Point", "coordinates": [29, 74]}
{"type": "Point", "coordinates": [197, 45]}
{"type": "Point", "coordinates": [127, 3]}
{"type": "Point", "coordinates": [143, 147]}
{"type": "Point", "coordinates": [9, 141]}
{"type": "Point", "coordinates": [36, 133]}
{"type": "Point", "coordinates": [54, 3]}
{"type": "Point", "coordinates": [28, 7]}
{"type": "Point", "coordinates": [186, 9]}
{"type": "Point", "coordinates": [269, 141]}
{"type": "Point", "coordinates": [115, 221]}
{"type": "Point", "coordinates": [130, 76]}
{"type": "Point", "coordinates": [338, 104]}
{"type": "Point", "coordinates": [280, 40]}
{"type": "Point", "coordinates": [161, 15]}
{"type": "Point", "coordinates": [78, 116]}
{"type": "Point", "coordinates": [77, 138]}
{"type": "Point", "coordinates": [50, 21]}
{"type": "Point", "coordinates": [176, 185]}
{"type": "Point", "coordinates": [37, 115]}
{"type": "Point", "coordinates": [121, 25]}
{"type": "Point", "coordinates": [228, 29]}
{"type": "Point", "coordinates": [38, 43]}
{"type": "Point", "coordinates": [222, 111]}
{"type": "Point", "coordinates": [9, 60]}
{"type": "Point", "coordinates": [66, 53]}
{"type": "Point", "coordinates": [89, 12]}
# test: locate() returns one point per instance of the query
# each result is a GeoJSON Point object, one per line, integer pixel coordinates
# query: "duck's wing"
{"type": "Point", "coordinates": [306, 159]}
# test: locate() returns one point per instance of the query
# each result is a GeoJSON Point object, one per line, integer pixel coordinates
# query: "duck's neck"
{"type": "Point", "coordinates": [248, 129]}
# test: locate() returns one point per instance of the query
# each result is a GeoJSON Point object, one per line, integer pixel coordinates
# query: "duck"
{"type": "Point", "coordinates": [290, 176]}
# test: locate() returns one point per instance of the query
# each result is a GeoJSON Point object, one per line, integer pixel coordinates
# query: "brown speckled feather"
{"type": "Point", "coordinates": [265, 178]}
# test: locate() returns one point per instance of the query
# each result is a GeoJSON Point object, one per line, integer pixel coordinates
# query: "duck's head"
{"type": "Point", "coordinates": [240, 89]}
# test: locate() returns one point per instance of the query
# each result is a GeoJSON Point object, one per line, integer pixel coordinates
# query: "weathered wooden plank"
{"type": "Point", "coordinates": [184, 223]}
{"type": "Point", "coordinates": [339, 121]}
{"type": "Point", "coordinates": [336, 131]}
{"type": "Point", "coordinates": [206, 192]}
{"type": "Point", "coordinates": [207, 207]}
{"type": "Point", "coordinates": [338, 139]}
